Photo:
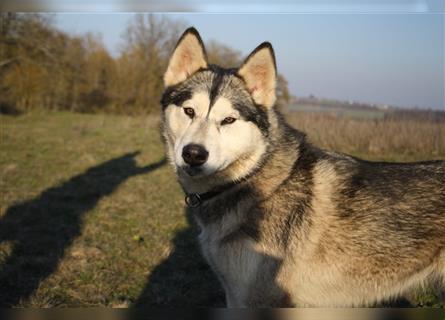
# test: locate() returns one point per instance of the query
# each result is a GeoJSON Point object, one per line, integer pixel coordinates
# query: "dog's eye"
{"type": "Point", "coordinates": [190, 112]}
{"type": "Point", "coordinates": [228, 120]}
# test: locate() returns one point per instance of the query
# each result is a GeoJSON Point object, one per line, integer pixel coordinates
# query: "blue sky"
{"type": "Point", "coordinates": [395, 59]}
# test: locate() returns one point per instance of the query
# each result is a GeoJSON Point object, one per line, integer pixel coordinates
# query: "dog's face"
{"type": "Point", "coordinates": [215, 120]}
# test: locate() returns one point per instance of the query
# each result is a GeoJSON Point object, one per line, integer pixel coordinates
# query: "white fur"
{"type": "Point", "coordinates": [225, 143]}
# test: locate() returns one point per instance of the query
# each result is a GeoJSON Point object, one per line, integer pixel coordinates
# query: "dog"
{"type": "Point", "coordinates": [282, 222]}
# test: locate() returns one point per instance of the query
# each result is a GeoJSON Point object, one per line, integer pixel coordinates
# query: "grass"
{"type": "Point", "coordinates": [383, 139]}
{"type": "Point", "coordinates": [91, 215]}
{"type": "Point", "coordinates": [339, 112]}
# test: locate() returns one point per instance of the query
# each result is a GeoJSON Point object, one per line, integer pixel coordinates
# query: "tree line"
{"type": "Point", "coordinates": [42, 67]}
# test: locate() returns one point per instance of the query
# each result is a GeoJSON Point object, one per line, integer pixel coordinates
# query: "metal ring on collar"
{"type": "Point", "coordinates": [193, 200]}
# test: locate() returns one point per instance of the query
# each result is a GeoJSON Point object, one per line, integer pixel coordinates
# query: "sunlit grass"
{"type": "Point", "coordinates": [125, 234]}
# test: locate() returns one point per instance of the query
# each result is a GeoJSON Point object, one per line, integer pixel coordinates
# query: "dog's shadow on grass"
{"type": "Point", "coordinates": [42, 228]}
{"type": "Point", "coordinates": [183, 279]}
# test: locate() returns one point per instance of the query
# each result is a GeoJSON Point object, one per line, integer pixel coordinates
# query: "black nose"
{"type": "Point", "coordinates": [194, 154]}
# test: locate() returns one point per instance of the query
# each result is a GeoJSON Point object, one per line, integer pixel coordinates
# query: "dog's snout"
{"type": "Point", "coordinates": [194, 154]}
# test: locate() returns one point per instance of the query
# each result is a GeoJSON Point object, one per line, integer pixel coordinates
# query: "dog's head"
{"type": "Point", "coordinates": [215, 120]}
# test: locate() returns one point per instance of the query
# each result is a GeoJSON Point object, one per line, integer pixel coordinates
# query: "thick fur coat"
{"type": "Point", "coordinates": [284, 223]}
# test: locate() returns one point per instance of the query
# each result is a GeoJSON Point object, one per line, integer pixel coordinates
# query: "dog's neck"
{"type": "Point", "coordinates": [276, 168]}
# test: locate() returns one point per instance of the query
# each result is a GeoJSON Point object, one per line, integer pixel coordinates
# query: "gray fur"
{"type": "Point", "coordinates": [309, 227]}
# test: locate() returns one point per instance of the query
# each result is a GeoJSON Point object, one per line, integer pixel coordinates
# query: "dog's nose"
{"type": "Point", "coordinates": [194, 154]}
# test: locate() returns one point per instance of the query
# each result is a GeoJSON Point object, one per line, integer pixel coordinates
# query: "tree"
{"type": "Point", "coordinates": [222, 55]}
{"type": "Point", "coordinates": [148, 43]}
{"type": "Point", "coordinates": [99, 75]}
{"type": "Point", "coordinates": [42, 67]}
{"type": "Point", "coordinates": [26, 55]}
{"type": "Point", "coordinates": [283, 95]}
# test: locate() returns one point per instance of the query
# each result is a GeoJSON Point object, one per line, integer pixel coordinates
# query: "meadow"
{"type": "Point", "coordinates": [91, 213]}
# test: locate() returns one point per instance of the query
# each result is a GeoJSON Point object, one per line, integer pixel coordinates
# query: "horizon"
{"type": "Point", "coordinates": [383, 59]}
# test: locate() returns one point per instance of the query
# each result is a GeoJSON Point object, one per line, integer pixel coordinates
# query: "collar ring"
{"type": "Point", "coordinates": [193, 200]}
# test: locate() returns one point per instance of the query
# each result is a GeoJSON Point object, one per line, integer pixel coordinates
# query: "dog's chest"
{"type": "Point", "coordinates": [230, 255]}
{"type": "Point", "coordinates": [234, 262]}
{"type": "Point", "coordinates": [220, 243]}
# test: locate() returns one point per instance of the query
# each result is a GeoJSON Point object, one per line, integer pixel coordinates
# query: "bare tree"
{"type": "Point", "coordinates": [283, 94]}
{"type": "Point", "coordinates": [148, 42]}
{"type": "Point", "coordinates": [222, 55]}
{"type": "Point", "coordinates": [42, 67]}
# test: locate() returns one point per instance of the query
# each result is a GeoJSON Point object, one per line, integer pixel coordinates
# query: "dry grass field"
{"type": "Point", "coordinates": [374, 139]}
{"type": "Point", "coordinates": [91, 214]}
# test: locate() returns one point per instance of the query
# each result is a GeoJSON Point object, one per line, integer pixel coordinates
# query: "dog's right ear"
{"type": "Point", "coordinates": [188, 57]}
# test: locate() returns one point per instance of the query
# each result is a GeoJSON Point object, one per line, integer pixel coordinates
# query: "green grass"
{"type": "Point", "coordinates": [91, 215]}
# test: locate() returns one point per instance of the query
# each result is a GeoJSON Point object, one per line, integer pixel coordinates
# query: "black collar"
{"type": "Point", "coordinates": [193, 200]}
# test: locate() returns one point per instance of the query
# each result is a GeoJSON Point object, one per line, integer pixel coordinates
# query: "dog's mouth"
{"type": "Point", "coordinates": [193, 171]}
{"type": "Point", "coordinates": [196, 172]}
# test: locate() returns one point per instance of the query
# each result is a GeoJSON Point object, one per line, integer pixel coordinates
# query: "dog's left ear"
{"type": "Point", "coordinates": [188, 57]}
{"type": "Point", "coordinates": [260, 75]}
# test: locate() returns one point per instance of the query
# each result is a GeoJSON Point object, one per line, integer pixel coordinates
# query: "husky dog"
{"type": "Point", "coordinates": [282, 222]}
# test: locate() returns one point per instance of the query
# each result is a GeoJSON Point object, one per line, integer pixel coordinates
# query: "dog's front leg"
{"type": "Point", "coordinates": [232, 298]}
{"type": "Point", "coordinates": [231, 301]}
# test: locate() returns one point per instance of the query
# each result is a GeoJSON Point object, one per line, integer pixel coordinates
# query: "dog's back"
{"type": "Point", "coordinates": [373, 230]}
{"type": "Point", "coordinates": [329, 229]}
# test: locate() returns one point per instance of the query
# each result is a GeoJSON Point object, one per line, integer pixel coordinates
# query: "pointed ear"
{"type": "Point", "coordinates": [188, 57]}
{"type": "Point", "coordinates": [260, 75]}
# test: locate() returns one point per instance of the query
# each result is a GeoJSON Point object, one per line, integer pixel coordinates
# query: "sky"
{"type": "Point", "coordinates": [394, 59]}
